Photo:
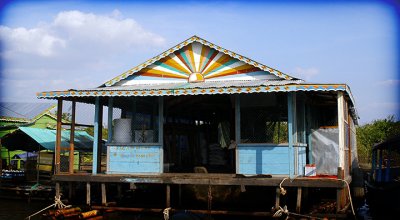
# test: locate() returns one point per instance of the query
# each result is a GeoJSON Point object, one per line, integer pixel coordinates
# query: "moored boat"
{"type": "Point", "coordinates": [383, 182]}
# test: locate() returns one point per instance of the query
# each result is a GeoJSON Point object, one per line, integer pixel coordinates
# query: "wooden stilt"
{"type": "Point", "coordinates": [340, 197]}
{"type": "Point", "coordinates": [168, 196]}
{"type": "Point", "coordinates": [70, 190]}
{"type": "Point", "coordinates": [103, 194]}
{"type": "Point", "coordinates": [277, 198]}
{"type": "Point", "coordinates": [88, 193]}
{"type": "Point", "coordinates": [180, 195]}
{"type": "Point", "coordinates": [57, 189]}
{"type": "Point", "coordinates": [298, 203]}
{"type": "Point", "coordinates": [119, 191]}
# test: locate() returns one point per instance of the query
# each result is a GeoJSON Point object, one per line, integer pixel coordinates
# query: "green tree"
{"type": "Point", "coordinates": [104, 132]}
{"type": "Point", "coordinates": [375, 132]}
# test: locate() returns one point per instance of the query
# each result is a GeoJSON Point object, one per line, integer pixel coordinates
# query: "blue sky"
{"type": "Point", "coordinates": [56, 45]}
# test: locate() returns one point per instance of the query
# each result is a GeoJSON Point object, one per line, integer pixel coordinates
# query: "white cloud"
{"type": "Point", "coordinates": [75, 30]}
{"type": "Point", "coordinates": [37, 41]}
{"type": "Point", "coordinates": [305, 73]}
{"type": "Point", "coordinates": [390, 82]}
{"type": "Point", "coordinates": [73, 50]}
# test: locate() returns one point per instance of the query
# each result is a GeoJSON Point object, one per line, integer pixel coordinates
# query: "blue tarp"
{"type": "Point", "coordinates": [47, 138]}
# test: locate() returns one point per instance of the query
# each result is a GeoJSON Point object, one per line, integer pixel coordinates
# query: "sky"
{"type": "Point", "coordinates": [59, 45]}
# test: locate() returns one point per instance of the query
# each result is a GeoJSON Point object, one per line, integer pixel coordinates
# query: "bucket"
{"type": "Point", "coordinates": [122, 130]}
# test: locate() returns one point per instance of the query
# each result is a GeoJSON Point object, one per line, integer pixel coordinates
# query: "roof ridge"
{"type": "Point", "coordinates": [188, 41]}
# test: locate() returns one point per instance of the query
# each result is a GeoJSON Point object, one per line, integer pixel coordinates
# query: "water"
{"type": "Point", "coordinates": [15, 209]}
{"type": "Point", "coordinates": [18, 209]}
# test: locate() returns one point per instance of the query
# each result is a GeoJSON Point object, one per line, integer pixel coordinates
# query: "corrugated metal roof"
{"type": "Point", "coordinates": [47, 138]}
{"type": "Point", "coordinates": [23, 110]}
{"type": "Point", "coordinates": [200, 85]}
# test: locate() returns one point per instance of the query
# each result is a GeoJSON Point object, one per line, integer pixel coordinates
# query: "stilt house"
{"type": "Point", "coordinates": [201, 114]}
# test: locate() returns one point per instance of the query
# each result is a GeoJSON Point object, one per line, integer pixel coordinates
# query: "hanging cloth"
{"type": "Point", "coordinates": [223, 134]}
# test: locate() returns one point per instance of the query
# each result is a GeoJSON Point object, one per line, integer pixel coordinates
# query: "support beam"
{"type": "Point", "coordinates": [103, 194]}
{"type": "Point", "coordinates": [341, 126]}
{"type": "Point", "coordinates": [70, 190]}
{"type": "Point", "coordinates": [161, 130]}
{"type": "Point", "coordinates": [277, 198]}
{"type": "Point", "coordinates": [237, 130]}
{"type": "Point", "coordinates": [110, 119]}
{"type": "Point", "coordinates": [291, 99]}
{"type": "Point", "coordinates": [168, 196]}
{"type": "Point", "coordinates": [88, 193]}
{"type": "Point", "coordinates": [98, 116]}
{"type": "Point", "coordinates": [72, 139]}
{"type": "Point", "coordinates": [58, 137]}
{"type": "Point", "coordinates": [340, 194]}
{"type": "Point", "coordinates": [58, 194]}
{"type": "Point", "coordinates": [298, 203]}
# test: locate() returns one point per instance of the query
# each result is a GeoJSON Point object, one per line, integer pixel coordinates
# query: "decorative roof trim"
{"type": "Point", "coordinates": [204, 42]}
{"type": "Point", "coordinates": [192, 91]}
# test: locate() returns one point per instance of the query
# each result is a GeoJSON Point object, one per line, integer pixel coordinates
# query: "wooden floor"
{"type": "Point", "coordinates": [203, 179]}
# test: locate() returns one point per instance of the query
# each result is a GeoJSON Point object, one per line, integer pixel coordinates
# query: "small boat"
{"type": "Point", "coordinates": [383, 182]}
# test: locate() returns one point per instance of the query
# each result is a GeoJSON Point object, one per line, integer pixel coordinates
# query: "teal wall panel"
{"type": "Point", "coordinates": [134, 159]}
{"type": "Point", "coordinates": [269, 159]}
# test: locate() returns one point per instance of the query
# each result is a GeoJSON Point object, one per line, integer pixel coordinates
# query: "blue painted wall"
{"type": "Point", "coordinates": [134, 159]}
{"type": "Point", "coordinates": [268, 159]}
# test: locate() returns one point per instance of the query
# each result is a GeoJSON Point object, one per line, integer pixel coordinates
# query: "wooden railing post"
{"type": "Point", "coordinates": [72, 139]}
{"type": "Point", "coordinates": [57, 152]}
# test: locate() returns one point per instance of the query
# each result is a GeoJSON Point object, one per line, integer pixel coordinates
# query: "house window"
{"type": "Point", "coordinates": [263, 118]}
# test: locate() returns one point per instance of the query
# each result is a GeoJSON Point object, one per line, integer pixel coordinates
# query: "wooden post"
{"type": "Point", "coordinates": [88, 193]}
{"type": "Point", "coordinates": [57, 156]}
{"type": "Point", "coordinates": [277, 198]}
{"type": "Point", "coordinates": [70, 190]}
{"type": "Point", "coordinates": [161, 131]}
{"type": "Point", "coordinates": [340, 194]}
{"type": "Point", "coordinates": [99, 139]}
{"type": "Point", "coordinates": [119, 191]}
{"type": "Point", "coordinates": [298, 203]}
{"type": "Point", "coordinates": [103, 194]}
{"type": "Point", "coordinates": [110, 119]}
{"type": "Point", "coordinates": [341, 126]}
{"type": "Point", "coordinates": [98, 116]}
{"type": "Point", "coordinates": [58, 190]}
{"type": "Point", "coordinates": [72, 139]}
{"type": "Point", "coordinates": [291, 129]}
{"type": "Point", "coordinates": [168, 196]}
{"type": "Point", "coordinates": [180, 195]}
{"type": "Point", "coordinates": [237, 131]}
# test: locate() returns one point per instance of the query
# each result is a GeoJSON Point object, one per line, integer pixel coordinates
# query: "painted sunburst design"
{"type": "Point", "coordinates": [196, 61]}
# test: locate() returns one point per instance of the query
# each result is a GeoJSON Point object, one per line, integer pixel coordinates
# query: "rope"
{"type": "Point", "coordinates": [285, 211]}
{"type": "Point", "coordinates": [283, 191]}
{"type": "Point", "coordinates": [209, 201]}
{"type": "Point", "coordinates": [57, 204]}
{"type": "Point", "coordinates": [351, 201]}
{"type": "Point", "coordinates": [166, 213]}
{"type": "Point", "coordinates": [281, 211]}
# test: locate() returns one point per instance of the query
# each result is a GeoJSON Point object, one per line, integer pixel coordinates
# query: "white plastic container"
{"type": "Point", "coordinates": [122, 130]}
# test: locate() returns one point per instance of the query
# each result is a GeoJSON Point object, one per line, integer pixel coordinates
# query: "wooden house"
{"type": "Point", "coordinates": [201, 114]}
